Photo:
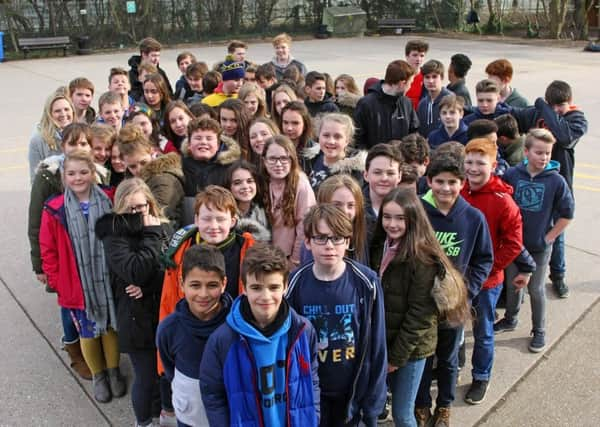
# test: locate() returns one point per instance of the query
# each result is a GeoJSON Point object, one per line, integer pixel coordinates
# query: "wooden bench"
{"type": "Point", "coordinates": [33, 43]}
{"type": "Point", "coordinates": [396, 25]}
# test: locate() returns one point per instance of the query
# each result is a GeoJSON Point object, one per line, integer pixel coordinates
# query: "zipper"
{"type": "Point", "coordinates": [287, 377]}
{"type": "Point", "coordinates": [257, 391]}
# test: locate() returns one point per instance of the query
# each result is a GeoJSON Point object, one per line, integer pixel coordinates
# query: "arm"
{"type": "Point", "coordinates": [413, 121]}
{"type": "Point", "coordinates": [558, 228]}
{"type": "Point", "coordinates": [35, 154]}
{"type": "Point", "coordinates": [361, 136]}
{"type": "Point", "coordinates": [37, 198]}
{"type": "Point", "coordinates": [511, 234]}
{"type": "Point", "coordinates": [212, 384]}
{"type": "Point", "coordinates": [165, 352]}
{"type": "Point", "coordinates": [566, 129]}
{"type": "Point", "coordinates": [564, 208]}
{"type": "Point", "coordinates": [481, 261]}
{"type": "Point", "coordinates": [48, 248]}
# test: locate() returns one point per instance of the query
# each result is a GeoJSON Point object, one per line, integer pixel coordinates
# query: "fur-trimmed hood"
{"type": "Point", "coordinates": [167, 163]}
{"type": "Point", "coordinates": [229, 151]}
{"type": "Point", "coordinates": [347, 99]}
{"type": "Point", "coordinates": [354, 161]}
{"type": "Point", "coordinates": [258, 231]}
{"type": "Point", "coordinates": [54, 165]}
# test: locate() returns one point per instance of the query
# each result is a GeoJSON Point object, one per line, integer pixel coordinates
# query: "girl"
{"type": "Point", "coordinates": [296, 124]}
{"type": "Point", "coordinates": [163, 174]}
{"type": "Point", "coordinates": [117, 166]}
{"type": "Point", "coordinates": [281, 97]}
{"type": "Point", "coordinates": [419, 285]}
{"type": "Point", "coordinates": [234, 120]}
{"type": "Point", "coordinates": [156, 95]}
{"type": "Point", "coordinates": [45, 140]}
{"type": "Point", "coordinates": [347, 93]}
{"type": "Point", "coordinates": [253, 97]}
{"type": "Point", "coordinates": [242, 181]}
{"type": "Point", "coordinates": [287, 196]}
{"type": "Point", "coordinates": [177, 117]}
{"type": "Point", "coordinates": [200, 110]}
{"type": "Point", "coordinates": [134, 236]}
{"type": "Point", "coordinates": [145, 118]}
{"type": "Point", "coordinates": [333, 155]}
{"type": "Point", "coordinates": [73, 258]}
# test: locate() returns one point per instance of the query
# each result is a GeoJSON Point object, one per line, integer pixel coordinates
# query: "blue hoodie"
{"type": "Point", "coordinates": [501, 108]}
{"type": "Point", "coordinates": [428, 112]}
{"type": "Point", "coordinates": [540, 198]}
{"type": "Point", "coordinates": [440, 135]}
{"type": "Point", "coordinates": [464, 235]}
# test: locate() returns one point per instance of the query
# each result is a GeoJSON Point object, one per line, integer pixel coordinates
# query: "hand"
{"type": "Point", "coordinates": [391, 368]}
{"type": "Point", "coordinates": [150, 220]}
{"type": "Point", "coordinates": [42, 278]}
{"type": "Point", "coordinates": [521, 280]}
{"type": "Point", "coordinates": [134, 292]}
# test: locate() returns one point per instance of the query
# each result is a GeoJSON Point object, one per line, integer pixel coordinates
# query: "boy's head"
{"type": "Point", "coordinates": [445, 176]}
{"type": "Point", "coordinates": [145, 69]}
{"type": "Point", "coordinates": [459, 66]}
{"type": "Point", "coordinates": [204, 135]}
{"type": "Point", "coordinates": [111, 109]}
{"type": "Point", "coordinates": [282, 43]}
{"type": "Point", "coordinates": [194, 74]}
{"type": "Point", "coordinates": [501, 71]}
{"type": "Point", "coordinates": [81, 92]}
{"type": "Point", "coordinates": [415, 151]}
{"type": "Point", "coordinates": [184, 60]}
{"type": "Point", "coordinates": [433, 76]}
{"type": "Point", "coordinates": [488, 94]}
{"type": "Point", "coordinates": [237, 49]}
{"type": "Point", "coordinates": [415, 51]}
{"type": "Point", "coordinates": [483, 128]}
{"type": "Point", "coordinates": [250, 74]}
{"type": "Point", "coordinates": [203, 280]}
{"type": "Point", "coordinates": [315, 86]}
{"type": "Point", "coordinates": [265, 75]}
{"type": "Point", "coordinates": [118, 81]}
{"type": "Point", "coordinates": [538, 149]}
{"type": "Point", "coordinates": [216, 214]}
{"type": "Point", "coordinates": [508, 129]}
{"type": "Point", "coordinates": [559, 96]}
{"type": "Point", "coordinates": [382, 170]}
{"type": "Point", "coordinates": [480, 161]}
{"type": "Point", "coordinates": [76, 137]}
{"type": "Point", "coordinates": [327, 231]}
{"type": "Point", "coordinates": [451, 110]}
{"type": "Point", "coordinates": [233, 76]}
{"type": "Point", "coordinates": [103, 138]}
{"type": "Point", "coordinates": [399, 74]}
{"type": "Point", "coordinates": [410, 176]}
{"type": "Point", "coordinates": [211, 81]}
{"type": "Point", "coordinates": [150, 50]}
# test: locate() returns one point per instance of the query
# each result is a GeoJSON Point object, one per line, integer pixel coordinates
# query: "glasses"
{"type": "Point", "coordinates": [322, 240]}
{"type": "Point", "coordinates": [138, 208]}
{"type": "Point", "coordinates": [284, 160]}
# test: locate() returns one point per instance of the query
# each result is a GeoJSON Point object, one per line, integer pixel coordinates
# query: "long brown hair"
{"type": "Point", "coordinates": [288, 203]}
{"type": "Point", "coordinates": [307, 131]}
{"type": "Point", "coordinates": [243, 123]}
{"type": "Point", "coordinates": [166, 128]}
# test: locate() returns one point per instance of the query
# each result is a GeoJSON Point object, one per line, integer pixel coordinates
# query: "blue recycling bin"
{"type": "Point", "coordinates": [1, 46]}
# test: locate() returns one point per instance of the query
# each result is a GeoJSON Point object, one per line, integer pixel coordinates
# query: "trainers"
{"type": "Point", "coordinates": [504, 325]}
{"type": "Point", "coordinates": [167, 419]}
{"type": "Point", "coordinates": [385, 415]}
{"type": "Point", "coordinates": [560, 287]}
{"type": "Point", "coordinates": [423, 417]}
{"type": "Point", "coordinates": [476, 393]}
{"type": "Point", "coordinates": [538, 342]}
{"type": "Point", "coordinates": [441, 417]}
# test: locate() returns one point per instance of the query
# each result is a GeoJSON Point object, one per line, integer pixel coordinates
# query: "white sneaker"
{"type": "Point", "coordinates": [167, 420]}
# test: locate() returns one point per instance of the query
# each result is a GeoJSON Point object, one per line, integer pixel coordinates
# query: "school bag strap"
{"type": "Point", "coordinates": [180, 236]}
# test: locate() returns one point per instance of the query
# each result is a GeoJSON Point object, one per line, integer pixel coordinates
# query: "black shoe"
{"type": "Point", "coordinates": [462, 356]}
{"type": "Point", "coordinates": [504, 325]}
{"type": "Point", "coordinates": [560, 287]}
{"type": "Point", "coordinates": [476, 393]}
{"type": "Point", "coordinates": [384, 417]}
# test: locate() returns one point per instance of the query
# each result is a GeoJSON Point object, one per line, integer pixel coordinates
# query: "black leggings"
{"type": "Point", "coordinates": [145, 391]}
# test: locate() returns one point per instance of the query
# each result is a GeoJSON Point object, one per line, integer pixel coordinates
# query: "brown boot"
{"type": "Point", "coordinates": [441, 417]}
{"type": "Point", "coordinates": [423, 417]}
{"type": "Point", "coordinates": [77, 361]}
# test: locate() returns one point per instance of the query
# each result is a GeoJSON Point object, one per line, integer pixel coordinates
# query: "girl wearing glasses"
{"type": "Point", "coordinates": [287, 195]}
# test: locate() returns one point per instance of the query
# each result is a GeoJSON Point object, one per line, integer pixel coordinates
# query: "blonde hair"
{"type": "Point", "coordinates": [132, 186]}
{"type": "Point", "coordinates": [342, 119]}
{"type": "Point", "coordinates": [251, 88]}
{"type": "Point", "coordinates": [131, 140]}
{"type": "Point", "coordinates": [80, 156]}
{"type": "Point", "coordinates": [105, 133]}
{"type": "Point", "coordinates": [282, 38]}
{"type": "Point", "coordinates": [349, 82]}
{"type": "Point", "coordinates": [48, 127]}
{"type": "Point", "coordinates": [539, 134]}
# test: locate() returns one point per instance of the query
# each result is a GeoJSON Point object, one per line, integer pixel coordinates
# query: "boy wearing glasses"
{"type": "Point", "coordinates": [342, 299]}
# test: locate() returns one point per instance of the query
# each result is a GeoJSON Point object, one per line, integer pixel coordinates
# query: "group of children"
{"type": "Point", "coordinates": [271, 247]}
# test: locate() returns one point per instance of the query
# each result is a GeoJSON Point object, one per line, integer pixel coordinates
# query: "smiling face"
{"type": "Point", "coordinates": [117, 163]}
{"type": "Point", "coordinates": [119, 84]}
{"type": "Point", "coordinates": [229, 122]}
{"type": "Point", "coordinates": [478, 169]}
{"type": "Point", "coordinates": [292, 125]}
{"type": "Point", "coordinates": [112, 114]}
{"type": "Point", "coordinates": [281, 100]}
{"type": "Point", "coordinates": [265, 293]}
{"type": "Point", "coordinates": [393, 221]}
{"type": "Point", "coordinates": [62, 113]}
{"type": "Point", "coordinates": [243, 186]}
{"type": "Point", "coordinates": [259, 133]}
{"type": "Point", "coordinates": [251, 103]}
{"type": "Point", "coordinates": [81, 98]}
{"type": "Point", "coordinates": [282, 52]}
{"type": "Point", "coordinates": [152, 95]}
{"type": "Point", "coordinates": [445, 188]}
{"type": "Point", "coordinates": [202, 290]}
{"type": "Point", "coordinates": [232, 86]}
{"type": "Point", "coordinates": [152, 57]}
{"type": "Point", "coordinates": [213, 225]}
{"type": "Point", "coordinates": [144, 123]}
{"type": "Point", "coordinates": [184, 63]}
{"type": "Point", "coordinates": [79, 178]}
{"type": "Point", "coordinates": [178, 121]}
{"type": "Point", "coordinates": [333, 141]}
{"type": "Point", "coordinates": [101, 150]}
{"type": "Point", "coordinates": [239, 54]}
{"type": "Point", "coordinates": [204, 144]}
{"type": "Point", "coordinates": [328, 254]}
{"type": "Point", "coordinates": [383, 175]}
{"type": "Point", "coordinates": [277, 162]}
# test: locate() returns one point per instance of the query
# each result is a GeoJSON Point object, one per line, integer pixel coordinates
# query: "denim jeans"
{"type": "Point", "coordinates": [483, 332]}
{"type": "Point", "coordinates": [404, 384]}
{"type": "Point", "coordinates": [70, 334]}
{"type": "Point", "coordinates": [536, 289]}
{"type": "Point", "coordinates": [447, 369]}
{"type": "Point", "coordinates": [558, 265]}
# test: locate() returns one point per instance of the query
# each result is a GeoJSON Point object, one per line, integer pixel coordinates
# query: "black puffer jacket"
{"type": "Point", "coordinates": [132, 252]}
{"type": "Point", "coordinates": [137, 87]}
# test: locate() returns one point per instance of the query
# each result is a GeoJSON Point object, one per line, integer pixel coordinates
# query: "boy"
{"type": "Point", "coordinates": [266, 78]}
{"type": "Point", "coordinates": [510, 143]}
{"type": "Point", "coordinates": [457, 71]}
{"type": "Point", "coordinates": [103, 137]}
{"type": "Point", "coordinates": [414, 151]}
{"type": "Point", "coordinates": [492, 197]}
{"type": "Point", "coordinates": [488, 102]}
{"type": "Point", "coordinates": [184, 60]}
{"type": "Point", "coordinates": [215, 216]}
{"type": "Point", "coordinates": [260, 366]}
{"type": "Point", "coordinates": [150, 52]}
{"type": "Point", "coordinates": [194, 90]}
{"type": "Point", "coordinates": [283, 59]}
{"type": "Point", "coordinates": [118, 83]}
{"type": "Point", "coordinates": [250, 74]}
{"type": "Point", "coordinates": [410, 177]}
{"type": "Point", "coordinates": [182, 336]}
{"type": "Point", "coordinates": [233, 79]}
{"type": "Point", "coordinates": [111, 110]}
{"type": "Point", "coordinates": [463, 233]}
{"type": "Point", "coordinates": [236, 50]}
{"type": "Point", "coordinates": [81, 92]}
{"type": "Point", "coordinates": [547, 208]}
{"type": "Point", "coordinates": [144, 69]}
{"type": "Point", "coordinates": [428, 109]}
{"type": "Point", "coordinates": [382, 174]}
{"type": "Point", "coordinates": [342, 299]}
{"type": "Point", "coordinates": [501, 71]}
{"type": "Point", "coordinates": [415, 51]}
{"type": "Point", "coordinates": [317, 100]}
{"type": "Point", "coordinates": [384, 113]}
{"type": "Point", "coordinates": [453, 128]}
{"type": "Point", "coordinates": [210, 82]}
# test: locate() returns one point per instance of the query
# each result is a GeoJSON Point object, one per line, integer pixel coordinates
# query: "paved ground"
{"type": "Point", "coordinates": [39, 389]}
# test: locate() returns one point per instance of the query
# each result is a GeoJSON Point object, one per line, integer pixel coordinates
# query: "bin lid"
{"type": "Point", "coordinates": [345, 11]}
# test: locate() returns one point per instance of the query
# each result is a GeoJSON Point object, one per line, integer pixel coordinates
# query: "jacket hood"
{"type": "Point", "coordinates": [494, 185]}
{"type": "Point", "coordinates": [459, 206]}
{"type": "Point", "coordinates": [52, 164]}
{"type": "Point", "coordinates": [196, 327]}
{"type": "Point", "coordinates": [134, 61]}
{"type": "Point", "coordinates": [354, 161]}
{"type": "Point", "coordinates": [258, 231]}
{"type": "Point", "coordinates": [348, 99]}
{"type": "Point", "coordinates": [236, 321]}
{"type": "Point", "coordinates": [228, 152]}
{"type": "Point", "coordinates": [377, 89]}
{"type": "Point", "coordinates": [167, 163]}
{"type": "Point", "coordinates": [119, 224]}
{"type": "Point", "coordinates": [552, 167]}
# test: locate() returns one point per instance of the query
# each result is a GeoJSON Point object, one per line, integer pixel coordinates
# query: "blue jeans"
{"type": "Point", "coordinates": [404, 384]}
{"type": "Point", "coordinates": [483, 332]}
{"type": "Point", "coordinates": [70, 334]}
{"type": "Point", "coordinates": [558, 266]}
{"type": "Point", "coordinates": [447, 369]}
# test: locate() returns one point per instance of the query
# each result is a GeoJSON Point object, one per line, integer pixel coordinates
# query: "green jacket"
{"type": "Point", "coordinates": [514, 153]}
{"type": "Point", "coordinates": [411, 314]}
{"type": "Point", "coordinates": [515, 99]}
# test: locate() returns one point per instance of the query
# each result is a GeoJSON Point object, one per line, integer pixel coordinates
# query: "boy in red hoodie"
{"type": "Point", "coordinates": [492, 197]}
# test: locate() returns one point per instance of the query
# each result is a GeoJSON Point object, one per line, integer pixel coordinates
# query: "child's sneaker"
{"type": "Point", "coordinates": [423, 417]}
{"type": "Point", "coordinates": [385, 415]}
{"type": "Point", "coordinates": [538, 342]}
{"type": "Point", "coordinates": [560, 287]}
{"type": "Point", "coordinates": [504, 325]}
{"type": "Point", "coordinates": [441, 417]}
{"type": "Point", "coordinates": [476, 393]}
{"type": "Point", "coordinates": [167, 419]}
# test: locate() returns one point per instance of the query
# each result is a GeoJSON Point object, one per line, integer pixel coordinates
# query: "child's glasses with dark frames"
{"type": "Point", "coordinates": [138, 208]}
{"type": "Point", "coordinates": [272, 160]}
{"type": "Point", "coordinates": [322, 240]}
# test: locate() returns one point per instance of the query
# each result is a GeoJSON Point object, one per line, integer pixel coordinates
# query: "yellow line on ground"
{"type": "Point", "coordinates": [586, 176]}
{"type": "Point", "coordinates": [587, 166]}
{"type": "Point", "coordinates": [586, 188]}
{"type": "Point", "coordinates": [8, 168]}
{"type": "Point", "coordinates": [14, 150]}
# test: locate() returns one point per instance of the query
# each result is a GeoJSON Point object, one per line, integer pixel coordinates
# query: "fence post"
{"type": "Point", "coordinates": [1, 46]}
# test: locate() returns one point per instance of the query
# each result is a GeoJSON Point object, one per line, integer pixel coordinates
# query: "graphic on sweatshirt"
{"type": "Point", "coordinates": [333, 323]}
{"type": "Point", "coordinates": [448, 242]}
{"type": "Point", "coordinates": [530, 195]}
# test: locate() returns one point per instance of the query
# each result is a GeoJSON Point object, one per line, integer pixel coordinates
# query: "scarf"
{"type": "Point", "coordinates": [389, 252]}
{"type": "Point", "coordinates": [91, 261]}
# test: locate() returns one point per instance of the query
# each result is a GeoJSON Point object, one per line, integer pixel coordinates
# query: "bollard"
{"type": "Point", "coordinates": [1, 46]}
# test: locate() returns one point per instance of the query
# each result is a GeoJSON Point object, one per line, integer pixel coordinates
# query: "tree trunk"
{"type": "Point", "coordinates": [558, 13]}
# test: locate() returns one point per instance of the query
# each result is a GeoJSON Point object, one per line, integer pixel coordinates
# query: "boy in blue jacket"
{"type": "Point", "coordinates": [547, 208]}
{"type": "Point", "coordinates": [489, 106]}
{"type": "Point", "coordinates": [260, 367]}
{"type": "Point", "coordinates": [428, 110]}
{"type": "Point", "coordinates": [463, 232]}
{"type": "Point", "coordinates": [343, 300]}
{"type": "Point", "coordinates": [181, 337]}
{"type": "Point", "coordinates": [453, 127]}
